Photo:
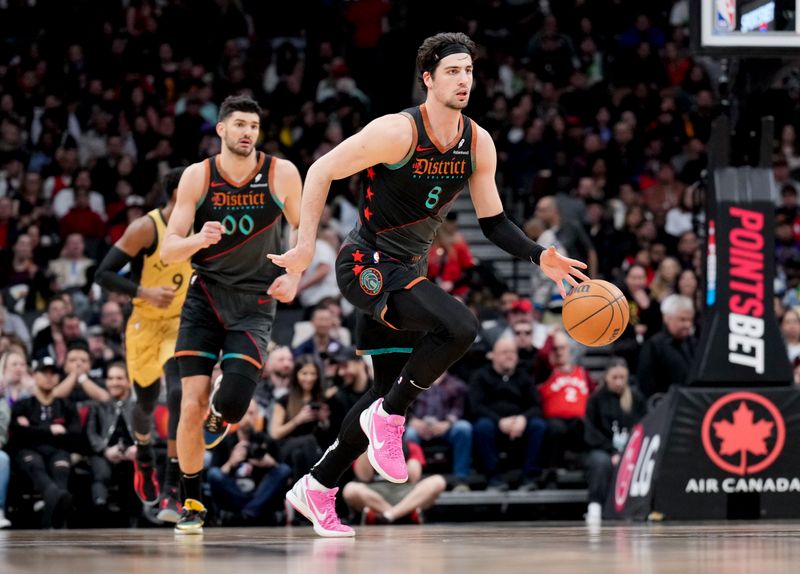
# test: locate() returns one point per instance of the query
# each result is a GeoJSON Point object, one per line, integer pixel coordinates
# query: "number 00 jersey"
{"type": "Point", "coordinates": [250, 214]}
{"type": "Point", "coordinates": [152, 272]}
{"type": "Point", "coordinates": [402, 205]}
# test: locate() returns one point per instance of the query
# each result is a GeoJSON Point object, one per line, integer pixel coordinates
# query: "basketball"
{"type": "Point", "coordinates": [595, 313]}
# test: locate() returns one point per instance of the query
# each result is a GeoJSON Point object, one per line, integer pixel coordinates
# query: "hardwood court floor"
{"type": "Point", "coordinates": [505, 548]}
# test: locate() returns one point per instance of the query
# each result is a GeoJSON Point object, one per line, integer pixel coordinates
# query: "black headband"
{"type": "Point", "coordinates": [449, 50]}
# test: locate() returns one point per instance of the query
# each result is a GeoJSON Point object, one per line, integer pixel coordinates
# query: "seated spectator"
{"type": "Point", "coordinates": [70, 270]}
{"type": "Point", "coordinates": [56, 310]}
{"type": "Point", "coordinates": [381, 502]}
{"type": "Point", "coordinates": [5, 461]}
{"type": "Point", "coordinates": [82, 219]}
{"type": "Point", "coordinates": [101, 354]}
{"type": "Point", "coordinates": [321, 341]}
{"type": "Point", "coordinates": [15, 382]}
{"type": "Point", "coordinates": [245, 477]}
{"type": "Point", "coordinates": [612, 410]}
{"type": "Point", "coordinates": [353, 381]}
{"type": "Point", "coordinates": [667, 357]}
{"type": "Point", "coordinates": [438, 416]}
{"type": "Point", "coordinates": [275, 378]}
{"type": "Point", "coordinates": [645, 317]}
{"type": "Point", "coordinates": [518, 312]}
{"type": "Point", "coordinates": [25, 282]}
{"type": "Point", "coordinates": [76, 385]}
{"type": "Point", "coordinates": [563, 397]}
{"type": "Point", "coordinates": [790, 329]}
{"type": "Point", "coordinates": [53, 341]}
{"type": "Point", "coordinates": [109, 429]}
{"type": "Point", "coordinates": [13, 324]}
{"type": "Point", "coordinates": [504, 400]}
{"type": "Point", "coordinates": [44, 431]}
{"type": "Point", "coordinates": [450, 261]}
{"type": "Point", "coordinates": [112, 320]}
{"type": "Point", "coordinates": [301, 420]}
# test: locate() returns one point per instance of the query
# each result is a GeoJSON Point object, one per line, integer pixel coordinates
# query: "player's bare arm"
{"type": "Point", "coordinates": [384, 140]}
{"type": "Point", "coordinates": [177, 246]}
{"type": "Point", "coordinates": [288, 187]}
{"type": "Point", "coordinates": [502, 232]}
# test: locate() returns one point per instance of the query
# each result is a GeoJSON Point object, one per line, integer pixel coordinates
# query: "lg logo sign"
{"type": "Point", "coordinates": [636, 467]}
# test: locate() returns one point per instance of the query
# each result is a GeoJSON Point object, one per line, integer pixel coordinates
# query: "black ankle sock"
{"type": "Point", "coordinates": [172, 474]}
{"type": "Point", "coordinates": [402, 394]}
{"type": "Point", "coordinates": [192, 486]}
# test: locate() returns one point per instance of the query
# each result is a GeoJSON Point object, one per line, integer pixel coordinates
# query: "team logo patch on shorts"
{"type": "Point", "coordinates": [371, 281]}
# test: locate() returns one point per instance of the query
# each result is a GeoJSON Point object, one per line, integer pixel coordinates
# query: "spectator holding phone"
{"type": "Point", "coordinates": [301, 419]}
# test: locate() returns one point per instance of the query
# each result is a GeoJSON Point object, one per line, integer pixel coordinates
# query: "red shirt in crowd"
{"type": "Point", "coordinates": [564, 394]}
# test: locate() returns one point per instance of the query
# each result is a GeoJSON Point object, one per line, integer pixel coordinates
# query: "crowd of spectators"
{"type": "Point", "coordinates": [601, 118]}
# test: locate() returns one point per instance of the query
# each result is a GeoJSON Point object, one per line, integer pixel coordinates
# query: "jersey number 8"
{"type": "Point", "coordinates": [433, 197]}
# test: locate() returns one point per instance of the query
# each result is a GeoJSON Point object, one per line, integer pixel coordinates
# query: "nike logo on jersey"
{"type": "Point", "coordinates": [262, 300]}
{"type": "Point", "coordinates": [217, 183]}
{"type": "Point", "coordinates": [420, 148]}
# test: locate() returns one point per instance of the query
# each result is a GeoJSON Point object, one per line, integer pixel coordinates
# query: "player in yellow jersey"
{"type": "Point", "coordinates": [158, 291]}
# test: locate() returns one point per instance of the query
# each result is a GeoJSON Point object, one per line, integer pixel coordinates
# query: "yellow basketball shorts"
{"type": "Point", "coordinates": [149, 343]}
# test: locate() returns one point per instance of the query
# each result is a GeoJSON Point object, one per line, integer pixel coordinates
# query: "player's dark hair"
{"type": "Point", "coordinates": [434, 48]}
{"type": "Point", "coordinates": [238, 104]}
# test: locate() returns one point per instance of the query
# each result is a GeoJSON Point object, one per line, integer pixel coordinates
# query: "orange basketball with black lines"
{"type": "Point", "coordinates": [595, 313]}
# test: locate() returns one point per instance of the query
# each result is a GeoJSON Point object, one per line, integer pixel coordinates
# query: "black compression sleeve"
{"type": "Point", "coordinates": [502, 232]}
{"type": "Point", "coordinates": [108, 276]}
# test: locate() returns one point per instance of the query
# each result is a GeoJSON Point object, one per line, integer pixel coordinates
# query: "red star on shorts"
{"type": "Point", "coordinates": [370, 173]}
{"type": "Point", "coordinates": [357, 269]}
{"type": "Point", "coordinates": [370, 195]}
{"type": "Point", "coordinates": [367, 213]}
{"type": "Point", "coordinates": [358, 256]}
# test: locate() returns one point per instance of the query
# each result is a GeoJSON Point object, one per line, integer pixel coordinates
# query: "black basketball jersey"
{"type": "Point", "coordinates": [402, 205]}
{"type": "Point", "coordinates": [250, 214]}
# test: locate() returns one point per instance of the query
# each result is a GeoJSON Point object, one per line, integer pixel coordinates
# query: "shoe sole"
{"type": "Point", "coordinates": [167, 515]}
{"type": "Point", "coordinates": [189, 531]}
{"type": "Point", "coordinates": [363, 420]}
{"type": "Point", "coordinates": [301, 507]}
{"type": "Point", "coordinates": [218, 440]}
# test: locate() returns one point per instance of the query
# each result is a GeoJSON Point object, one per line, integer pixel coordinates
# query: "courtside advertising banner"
{"type": "Point", "coordinates": [724, 453]}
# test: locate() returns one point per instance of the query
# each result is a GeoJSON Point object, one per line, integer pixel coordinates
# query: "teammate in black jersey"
{"type": "Point", "coordinates": [415, 163]}
{"type": "Point", "coordinates": [234, 202]}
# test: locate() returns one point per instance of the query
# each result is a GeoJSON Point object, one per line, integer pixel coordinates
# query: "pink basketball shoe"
{"type": "Point", "coordinates": [385, 450]}
{"type": "Point", "coordinates": [319, 506]}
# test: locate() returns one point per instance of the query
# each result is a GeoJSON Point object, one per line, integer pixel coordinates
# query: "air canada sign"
{"type": "Point", "coordinates": [707, 453]}
{"type": "Point", "coordinates": [743, 433]}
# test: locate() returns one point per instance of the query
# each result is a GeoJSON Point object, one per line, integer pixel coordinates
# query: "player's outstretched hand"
{"type": "Point", "coordinates": [211, 233]}
{"type": "Point", "coordinates": [557, 267]}
{"type": "Point", "coordinates": [295, 260]}
{"type": "Point", "coordinates": [284, 288]}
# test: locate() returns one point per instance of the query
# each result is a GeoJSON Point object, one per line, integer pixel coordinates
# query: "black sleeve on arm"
{"type": "Point", "coordinates": [108, 276]}
{"type": "Point", "coordinates": [502, 232]}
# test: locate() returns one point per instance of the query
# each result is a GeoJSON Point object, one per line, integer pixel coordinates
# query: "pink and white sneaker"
{"type": "Point", "coordinates": [319, 506]}
{"type": "Point", "coordinates": [385, 450]}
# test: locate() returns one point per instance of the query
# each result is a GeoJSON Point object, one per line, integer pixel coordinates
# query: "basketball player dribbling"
{"type": "Point", "coordinates": [234, 202]}
{"type": "Point", "coordinates": [416, 163]}
{"type": "Point", "coordinates": [158, 292]}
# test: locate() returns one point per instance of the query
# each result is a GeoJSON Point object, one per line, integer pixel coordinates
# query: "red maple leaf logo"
{"type": "Point", "coordinates": [743, 435]}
